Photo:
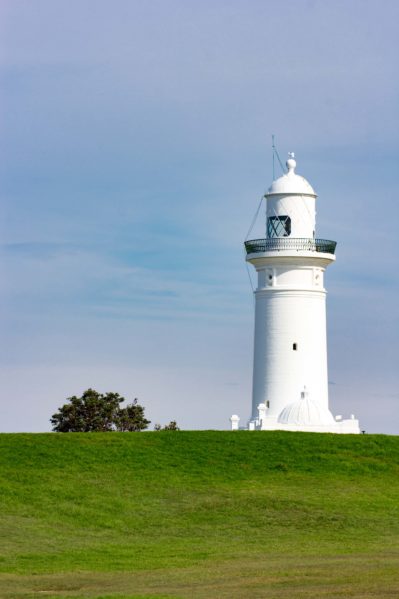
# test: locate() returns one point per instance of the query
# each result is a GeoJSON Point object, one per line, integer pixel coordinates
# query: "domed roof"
{"type": "Point", "coordinates": [291, 182]}
{"type": "Point", "coordinates": [305, 412]}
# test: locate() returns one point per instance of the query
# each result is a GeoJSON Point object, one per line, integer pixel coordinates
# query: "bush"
{"type": "Point", "coordinates": [97, 412]}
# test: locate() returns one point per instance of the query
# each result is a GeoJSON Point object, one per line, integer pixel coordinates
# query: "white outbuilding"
{"type": "Point", "coordinates": [290, 382]}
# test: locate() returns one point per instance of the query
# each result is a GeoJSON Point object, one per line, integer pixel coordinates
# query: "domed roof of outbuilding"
{"type": "Point", "coordinates": [306, 412]}
{"type": "Point", "coordinates": [290, 182]}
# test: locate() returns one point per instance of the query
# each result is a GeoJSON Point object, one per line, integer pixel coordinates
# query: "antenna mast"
{"type": "Point", "coordinates": [275, 153]}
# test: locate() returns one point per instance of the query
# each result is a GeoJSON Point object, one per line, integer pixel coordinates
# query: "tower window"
{"type": "Point", "coordinates": [294, 346]}
{"type": "Point", "coordinates": [278, 226]}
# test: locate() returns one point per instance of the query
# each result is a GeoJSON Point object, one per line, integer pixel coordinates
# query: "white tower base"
{"type": "Point", "coordinates": [303, 415]}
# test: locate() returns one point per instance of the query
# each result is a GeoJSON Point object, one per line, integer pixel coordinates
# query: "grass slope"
{"type": "Point", "coordinates": [199, 515]}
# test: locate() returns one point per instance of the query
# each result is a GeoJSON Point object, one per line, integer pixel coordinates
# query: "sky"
{"type": "Point", "coordinates": [135, 148]}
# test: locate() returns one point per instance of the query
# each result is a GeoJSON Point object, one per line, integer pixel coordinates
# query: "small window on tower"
{"type": "Point", "coordinates": [268, 404]}
{"type": "Point", "coordinates": [278, 226]}
{"type": "Point", "coordinates": [294, 346]}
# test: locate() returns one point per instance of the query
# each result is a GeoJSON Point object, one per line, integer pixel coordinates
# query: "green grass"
{"type": "Point", "coordinates": [199, 515]}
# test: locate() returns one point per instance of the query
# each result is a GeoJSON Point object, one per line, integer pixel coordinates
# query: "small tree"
{"type": "Point", "coordinates": [96, 412]}
{"type": "Point", "coordinates": [172, 426]}
{"type": "Point", "coordinates": [131, 418]}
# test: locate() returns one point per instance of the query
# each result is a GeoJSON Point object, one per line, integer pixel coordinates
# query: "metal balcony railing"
{"type": "Point", "coordinates": [279, 244]}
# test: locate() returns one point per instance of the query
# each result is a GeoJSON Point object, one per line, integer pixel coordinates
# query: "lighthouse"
{"type": "Point", "coordinates": [290, 381]}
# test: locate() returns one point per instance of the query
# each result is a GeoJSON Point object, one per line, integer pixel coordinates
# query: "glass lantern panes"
{"type": "Point", "coordinates": [278, 226]}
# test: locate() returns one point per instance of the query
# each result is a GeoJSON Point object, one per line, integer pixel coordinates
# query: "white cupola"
{"type": "Point", "coordinates": [291, 206]}
{"type": "Point", "coordinates": [306, 412]}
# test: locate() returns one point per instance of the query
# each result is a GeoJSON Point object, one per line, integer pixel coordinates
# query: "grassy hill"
{"type": "Point", "coordinates": [199, 515]}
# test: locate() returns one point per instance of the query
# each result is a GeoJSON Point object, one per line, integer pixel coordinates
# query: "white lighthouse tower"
{"type": "Point", "coordinates": [290, 383]}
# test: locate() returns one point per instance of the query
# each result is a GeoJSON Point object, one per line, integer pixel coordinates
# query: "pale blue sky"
{"type": "Point", "coordinates": [135, 147]}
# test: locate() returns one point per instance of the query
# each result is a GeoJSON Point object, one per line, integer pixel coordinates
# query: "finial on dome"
{"type": "Point", "coordinates": [291, 163]}
{"type": "Point", "coordinates": [304, 393]}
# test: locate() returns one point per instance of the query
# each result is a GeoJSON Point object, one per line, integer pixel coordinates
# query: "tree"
{"type": "Point", "coordinates": [95, 412]}
{"type": "Point", "coordinates": [172, 426]}
{"type": "Point", "coordinates": [131, 418]}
